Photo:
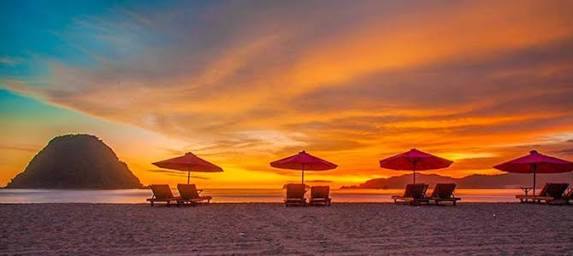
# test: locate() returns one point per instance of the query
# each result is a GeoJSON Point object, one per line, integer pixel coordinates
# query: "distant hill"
{"type": "Point", "coordinates": [76, 162]}
{"type": "Point", "coordinates": [472, 181]}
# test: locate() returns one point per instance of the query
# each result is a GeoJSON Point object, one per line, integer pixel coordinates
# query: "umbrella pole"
{"type": "Point", "coordinates": [534, 176]}
{"type": "Point", "coordinates": [302, 181]}
{"type": "Point", "coordinates": [414, 174]}
{"type": "Point", "coordinates": [188, 176]}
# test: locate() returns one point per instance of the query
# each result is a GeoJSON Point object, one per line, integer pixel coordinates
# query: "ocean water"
{"type": "Point", "coordinates": [132, 196]}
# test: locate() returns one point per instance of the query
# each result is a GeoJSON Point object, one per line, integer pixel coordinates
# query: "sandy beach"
{"type": "Point", "coordinates": [269, 229]}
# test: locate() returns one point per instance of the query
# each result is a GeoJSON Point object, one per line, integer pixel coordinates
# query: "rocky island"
{"type": "Point", "coordinates": [78, 161]}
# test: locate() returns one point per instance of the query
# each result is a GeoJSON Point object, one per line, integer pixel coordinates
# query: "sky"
{"type": "Point", "coordinates": [243, 83]}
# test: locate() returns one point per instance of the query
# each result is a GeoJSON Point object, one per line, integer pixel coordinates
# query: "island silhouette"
{"type": "Point", "coordinates": [76, 161]}
{"type": "Point", "coordinates": [475, 181]}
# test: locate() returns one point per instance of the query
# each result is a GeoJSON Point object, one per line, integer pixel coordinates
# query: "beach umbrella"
{"type": "Point", "coordinates": [414, 160]}
{"type": "Point", "coordinates": [536, 163]}
{"type": "Point", "coordinates": [188, 163]}
{"type": "Point", "coordinates": [305, 162]}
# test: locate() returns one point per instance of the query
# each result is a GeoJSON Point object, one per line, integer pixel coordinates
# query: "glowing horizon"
{"type": "Point", "coordinates": [242, 84]}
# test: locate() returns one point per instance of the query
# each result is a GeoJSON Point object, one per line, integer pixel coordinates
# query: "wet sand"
{"type": "Point", "coordinates": [270, 229]}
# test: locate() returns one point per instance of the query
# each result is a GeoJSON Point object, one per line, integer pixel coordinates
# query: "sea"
{"type": "Point", "coordinates": [136, 196]}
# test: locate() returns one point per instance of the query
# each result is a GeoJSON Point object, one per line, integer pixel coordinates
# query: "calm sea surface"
{"type": "Point", "coordinates": [232, 195]}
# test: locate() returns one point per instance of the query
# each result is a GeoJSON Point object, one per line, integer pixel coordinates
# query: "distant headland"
{"type": "Point", "coordinates": [77, 161]}
{"type": "Point", "coordinates": [469, 182]}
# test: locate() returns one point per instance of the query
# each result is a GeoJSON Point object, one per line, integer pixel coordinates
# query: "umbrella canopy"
{"type": "Point", "coordinates": [535, 163]}
{"type": "Point", "coordinates": [188, 162]}
{"type": "Point", "coordinates": [414, 160]}
{"type": "Point", "coordinates": [303, 161]}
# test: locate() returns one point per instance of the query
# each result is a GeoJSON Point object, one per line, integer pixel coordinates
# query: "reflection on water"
{"type": "Point", "coordinates": [232, 195]}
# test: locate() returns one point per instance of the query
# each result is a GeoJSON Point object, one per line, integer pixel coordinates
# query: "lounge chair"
{"type": "Point", "coordinates": [444, 192]}
{"type": "Point", "coordinates": [189, 194]}
{"type": "Point", "coordinates": [295, 195]}
{"type": "Point", "coordinates": [551, 193]}
{"type": "Point", "coordinates": [162, 193]}
{"type": "Point", "coordinates": [414, 194]}
{"type": "Point", "coordinates": [319, 195]}
{"type": "Point", "coordinates": [568, 197]}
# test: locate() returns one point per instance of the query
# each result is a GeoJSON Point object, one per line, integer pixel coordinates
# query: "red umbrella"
{"type": "Point", "coordinates": [414, 160]}
{"type": "Point", "coordinates": [303, 161]}
{"type": "Point", "coordinates": [535, 163]}
{"type": "Point", "coordinates": [188, 162]}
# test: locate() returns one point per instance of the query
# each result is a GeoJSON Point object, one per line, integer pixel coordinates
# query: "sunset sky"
{"type": "Point", "coordinates": [243, 83]}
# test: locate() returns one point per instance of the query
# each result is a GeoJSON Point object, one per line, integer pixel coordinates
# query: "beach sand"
{"type": "Point", "coordinates": [270, 229]}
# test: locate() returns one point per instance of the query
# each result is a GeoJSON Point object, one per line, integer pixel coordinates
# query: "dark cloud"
{"type": "Point", "coordinates": [319, 181]}
{"type": "Point", "coordinates": [20, 148]}
{"type": "Point", "coordinates": [568, 151]}
{"type": "Point", "coordinates": [176, 173]}
{"type": "Point", "coordinates": [512, 82]}
{"type": "Point", "coordinates": [324, 145]}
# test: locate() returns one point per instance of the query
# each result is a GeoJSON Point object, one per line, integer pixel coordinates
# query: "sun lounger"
{"type": "Point", "coordinates": [319, 195]}
{"type": "Point", "coordinates": [444, 192]}
{"type": "Point", "coordinates": [551, 193]}
{"type": "Point", "coordinates": [414, 194]}
{"type": "Point", "coordinates": [568, 197]}
{"type": "Point", "coordinates": [189, 194]}
{"type": "Point", "coordinates": [162, 193]}
{"type": "Point", "coordinates": [295, 195]}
